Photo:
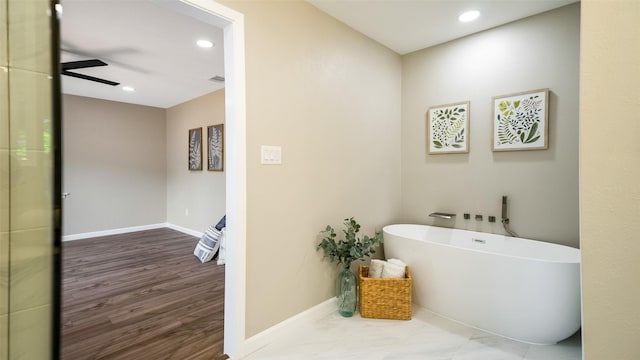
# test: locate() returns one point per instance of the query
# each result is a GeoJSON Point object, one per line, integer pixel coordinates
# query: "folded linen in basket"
{"type": "Point", "coordinates": [397, 262]}
{"type": "Point", "coordinates": [375, 268]}
{"type": "Point", "coordinates": [392, 270]}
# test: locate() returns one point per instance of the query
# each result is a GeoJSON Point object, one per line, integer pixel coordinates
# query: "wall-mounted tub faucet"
{"type": "Point", "coordinates": [505, 219]}
{"type": "Point", "coordinates": [441, 215]}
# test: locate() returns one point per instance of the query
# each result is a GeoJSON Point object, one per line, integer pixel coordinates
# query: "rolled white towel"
{"type": "Point", "coordinates": [397, 262]}
{"type": "Point", "coordinates": [392, 270]}
{"type": "Point", "coordinates": [375, 268]}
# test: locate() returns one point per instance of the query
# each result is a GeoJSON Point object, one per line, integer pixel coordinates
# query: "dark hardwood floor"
{"type": "Point", "coordinates": [141, 296]}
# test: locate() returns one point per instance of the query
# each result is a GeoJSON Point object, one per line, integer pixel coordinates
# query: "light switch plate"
{"type": "Point", "coordinates": [270, 155]}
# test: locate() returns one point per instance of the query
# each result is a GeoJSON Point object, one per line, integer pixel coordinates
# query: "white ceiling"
{"type": "Point", "coordinates": [152, 48]}
{"type": "Point", "coordinates": [405, 26]}
{"type": "Point", "coordinates": [147, 46]}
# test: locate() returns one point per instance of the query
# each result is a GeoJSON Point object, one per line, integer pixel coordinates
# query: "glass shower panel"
{"type": "Point", "coordinates": [3, 38]}
{"type": "Point", "coordinates": [29, 164]}
{"type": "Point", "coordinates": [4, 185]}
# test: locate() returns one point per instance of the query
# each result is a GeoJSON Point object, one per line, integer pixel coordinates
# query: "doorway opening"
{"type": "Point", "coordinates": [235, 160]}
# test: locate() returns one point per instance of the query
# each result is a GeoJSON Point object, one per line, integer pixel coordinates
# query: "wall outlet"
{"type": "Point", "coordinates": [186, 211]}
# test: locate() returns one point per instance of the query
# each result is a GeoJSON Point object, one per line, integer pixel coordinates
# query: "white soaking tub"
{"type": "Point", "coordinates": [521, 289]}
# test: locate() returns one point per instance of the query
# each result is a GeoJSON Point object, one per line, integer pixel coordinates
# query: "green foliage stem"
{"type": "Point", "coordinates": [352, 247]}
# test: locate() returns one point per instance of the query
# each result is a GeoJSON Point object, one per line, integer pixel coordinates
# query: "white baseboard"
{"type": "Point", "coordinates": [89, 235]}
{"type": "Point", "coordinates": [289, 327]}
{"type": "Point", "coordinates": [94, 234]}
{"type": "Point", "coordinates": [184, 230]}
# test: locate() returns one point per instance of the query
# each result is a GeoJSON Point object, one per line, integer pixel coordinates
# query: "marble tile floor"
{"type": "Point", "coordinates": [425, 337]}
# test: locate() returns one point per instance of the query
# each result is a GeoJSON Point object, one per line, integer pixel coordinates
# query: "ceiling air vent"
{"type": "Point", "coordinates": [217, 78]}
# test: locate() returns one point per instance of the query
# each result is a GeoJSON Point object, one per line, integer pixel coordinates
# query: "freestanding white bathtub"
{"type": "Point", "coordinates": [517, 288]}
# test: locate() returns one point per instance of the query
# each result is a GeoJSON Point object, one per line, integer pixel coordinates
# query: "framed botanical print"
{"type": "Point", "coordinates": [448, 128]}
{"type": "Point", "coordinates": [520, 121]}
{"type": "Point", "coordinates": [215, 147]}
{"type": "Point", "coordinates": [195, 149]}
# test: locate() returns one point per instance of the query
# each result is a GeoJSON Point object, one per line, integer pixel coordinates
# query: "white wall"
{"type": "Point", "coordinates": [201, 192]}
{"type": "Point", "coordinates": [114, 165]}
{"type": "Point", "coordinates": [538, 52]}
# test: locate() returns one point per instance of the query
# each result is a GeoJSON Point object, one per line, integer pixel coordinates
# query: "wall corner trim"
{"type": "Point", "coordinates": [184, 230]}
{"type": "Point", "coordinates": [290, 326]}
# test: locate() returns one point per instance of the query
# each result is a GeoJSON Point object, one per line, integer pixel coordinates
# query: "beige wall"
{"type": "Point", "coordinates": [331, 98]}
{"type": "Point", "coordinates": [610, 178]}
{"type": "Point", "coordinates": [114, 165]}
{"type": "Point", "coordinates": [125, 165]}
{"type": "Point", "coordinates": [201, 192]}
{"type": "Point", "coordinates": [537, 52]}
{"type": "Point", "coordinates": [26, 181]}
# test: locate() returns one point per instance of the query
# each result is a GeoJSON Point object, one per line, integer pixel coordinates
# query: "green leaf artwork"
{"type": "Point", "coordinates": [447, 128]}
{"type": "Point", "coordinates": [520, 121]}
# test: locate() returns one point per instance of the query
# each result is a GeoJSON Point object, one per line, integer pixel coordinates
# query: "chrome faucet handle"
{"type": "Point", "coordinates": [504, 206]}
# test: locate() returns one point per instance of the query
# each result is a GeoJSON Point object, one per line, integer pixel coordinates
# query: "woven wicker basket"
{"type": "Point", "coordinates": [384, 298]}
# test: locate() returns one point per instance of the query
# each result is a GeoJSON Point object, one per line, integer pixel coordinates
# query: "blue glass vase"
{"type": "Point", "coordinates": [346, 292]}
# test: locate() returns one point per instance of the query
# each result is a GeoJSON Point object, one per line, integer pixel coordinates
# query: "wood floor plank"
{"type": "Point", "coordinates": [141, 296]}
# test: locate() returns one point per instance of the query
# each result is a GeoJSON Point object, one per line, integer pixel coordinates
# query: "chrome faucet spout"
{"type": "Point", "coordinates": [442, 215]}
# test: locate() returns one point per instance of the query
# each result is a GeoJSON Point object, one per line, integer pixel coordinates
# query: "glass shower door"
{"type": "Point", "coordinates": [29, 185]}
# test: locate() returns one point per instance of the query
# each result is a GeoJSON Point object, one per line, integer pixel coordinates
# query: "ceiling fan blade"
{"type": "Point", "coordinates": [107, 55]}
{"type": "Point", "coordinates": [90, 78]}
{"type": "Point", "coordinates": [70, 65]}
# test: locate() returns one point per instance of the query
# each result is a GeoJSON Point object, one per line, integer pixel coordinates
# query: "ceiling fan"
{"type": "Point", "coordinates": [82, 64]}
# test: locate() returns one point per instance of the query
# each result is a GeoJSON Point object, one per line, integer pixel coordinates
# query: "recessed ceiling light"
{"type": "Point", "coordinates": [128, 88]}
{"type": "Point", "coordinates": [469, 16]}
{"type": "Point", "coordinates": [204, 43]}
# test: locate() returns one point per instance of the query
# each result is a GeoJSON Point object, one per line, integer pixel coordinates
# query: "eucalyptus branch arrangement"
{"type": "Point", "coordinates": [352, 247]}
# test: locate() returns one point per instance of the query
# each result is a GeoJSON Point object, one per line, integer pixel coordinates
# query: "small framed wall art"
{"type": "Point", "coordinates": [215, 147]}
{"type": "Point", "coordinates": [448, 128]}
{"type": "Point", "coordinates": [195, 149]}
{"type": "Point", "coordinates": [520, 121]}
